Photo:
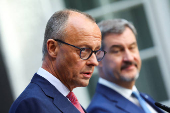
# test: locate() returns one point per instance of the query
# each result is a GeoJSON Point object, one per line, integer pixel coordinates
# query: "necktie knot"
{"type": "Point", "coordinates": [72, 97]}
{"type": "Point", "coordinates": [141, 101]}
{"type": "Point", "coordinates": [135, 94]}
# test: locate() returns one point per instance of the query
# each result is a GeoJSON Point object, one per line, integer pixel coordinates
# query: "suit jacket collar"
{"type": "Point", "coordinates": [60, 101]}
{"type": "Point", "coordinates": [151, 102]}
{"type": "Point", "coordinates": [120, 101]}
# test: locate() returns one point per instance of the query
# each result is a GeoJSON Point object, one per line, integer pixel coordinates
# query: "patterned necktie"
{"type": "Point", "coordinates": [141, 101]}
{"type": "Point", "coordinates": [71, 96]}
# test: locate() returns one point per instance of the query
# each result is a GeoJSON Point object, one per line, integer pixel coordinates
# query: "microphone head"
{"type": "Point", "coordinates": [166, 108]}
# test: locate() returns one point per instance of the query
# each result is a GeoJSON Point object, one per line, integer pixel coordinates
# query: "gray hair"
{"type": "Point", "coordinates": [55, 28]}
{"type": "Point", "coordinates": [116, 26]}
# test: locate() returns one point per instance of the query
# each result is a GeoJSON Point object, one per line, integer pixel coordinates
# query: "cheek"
{"type": "Point", "coordinates": [77, 66]}
{"type": "Point", "coordinates": [66, 61]}
{"type": "Point", "coordinates": [70, 58]}
{"type": "Point", "coordinates": [139, 63]}
{"type": "Point", "coordinates": [138, 60]}
{"type": "Point", "coordinates": [112, 62]}
{"type": "Point", "coordinates": [74, 65]}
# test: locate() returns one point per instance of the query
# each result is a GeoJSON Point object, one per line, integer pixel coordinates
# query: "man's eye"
{"type": "Point", "coordinates": [132, 47]}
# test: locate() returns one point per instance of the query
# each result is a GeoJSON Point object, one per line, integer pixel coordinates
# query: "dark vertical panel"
{"type": "Point", "coordinates": [6, 98]}
{"type": "Point", "coordinates": [137, 16]}
{"type": "Point", "coordinates": [150, 80]}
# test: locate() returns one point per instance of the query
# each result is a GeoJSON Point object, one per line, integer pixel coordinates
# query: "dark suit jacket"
{"type": "Point", "coordinates": [41, 96]}
{"type": "Point", "coordinates": [107, 100]}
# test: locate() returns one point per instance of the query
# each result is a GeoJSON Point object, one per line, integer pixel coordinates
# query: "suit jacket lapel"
{"type": "Point", "coordinates": [121, 102]}
{"type": "Point", "coordinates": [59, 100]}
{"type": "Point", "coordinates": [64, 105]}
{"type": "Point", "coordinates": [84, 109]}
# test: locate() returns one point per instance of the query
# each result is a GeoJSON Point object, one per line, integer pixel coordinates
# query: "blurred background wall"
{"type": "Point", "coordinates": [22, 26]}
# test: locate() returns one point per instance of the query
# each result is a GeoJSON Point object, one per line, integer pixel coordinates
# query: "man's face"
{"type": "Point", "coordinates": [72, 70]}
{"type": "Point", "coordinates": [122, 61]}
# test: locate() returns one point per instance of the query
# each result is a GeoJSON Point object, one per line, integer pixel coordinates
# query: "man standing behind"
{"type": "Point", "coordinates": [119, 69]}
{"type": "Point", "coordinates": [71, 50]}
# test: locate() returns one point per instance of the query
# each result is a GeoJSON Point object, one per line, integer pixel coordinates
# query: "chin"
{"type": "Point", "coordinates": [136, 76]}
{"type": "Point", "coordinates": [129, 79]}
{"type": "Point", "coordinates": [82, 83]}
{"type": "Point", "coordinates": [85, 83]}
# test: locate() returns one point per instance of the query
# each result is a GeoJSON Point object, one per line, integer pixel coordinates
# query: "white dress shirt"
{"type": "Point", "coordinates": [127, 93]}
{"type": "Point", "coordinates": [54, 81]}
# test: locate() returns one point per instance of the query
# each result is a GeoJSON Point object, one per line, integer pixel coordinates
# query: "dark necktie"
{"type": "Point", "coordinates": [141, 101]}
{"type": "Point", "coordinates": [71, 96]}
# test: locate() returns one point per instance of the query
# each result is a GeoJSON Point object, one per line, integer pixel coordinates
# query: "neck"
{"type": "Point", "coordinates": [48, 65]}
{"type": "Point", "coordinates": [128, 85]}
{"type": "Point", "coordinates": [125, 84]}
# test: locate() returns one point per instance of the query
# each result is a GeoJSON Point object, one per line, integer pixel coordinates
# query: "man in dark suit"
{"type": "Point", "coordinates": [71, 50]}
{"type": "Point", "coordinates": [119, 69]}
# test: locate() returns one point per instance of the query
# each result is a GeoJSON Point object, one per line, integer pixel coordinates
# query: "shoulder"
{"type": "Point", "coordinates": [30, 100]}
{"type": "Point", "coordinates": [34, 104]}
{"type": "Point", "coordinates": [101, 104]}
{"type": "Point", "coordinates": [26, 105]}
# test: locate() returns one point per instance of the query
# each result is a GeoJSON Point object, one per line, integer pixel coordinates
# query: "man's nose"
{"type": "Point", "coordinates": [128, 56]}
{"type": "Point", "coordinates": [92, 60]}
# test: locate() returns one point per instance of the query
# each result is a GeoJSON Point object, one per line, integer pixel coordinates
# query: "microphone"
{"type": "Point", "coordinates": [166, 108]}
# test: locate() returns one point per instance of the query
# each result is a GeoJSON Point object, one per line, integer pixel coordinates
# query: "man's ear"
{"type": "Point", "coordinates": [52, 47]}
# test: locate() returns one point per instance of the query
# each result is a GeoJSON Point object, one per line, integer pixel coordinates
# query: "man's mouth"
{"type": "Point", "coordinates": [129, 66]}
{"type": "Point", "coordinates": [87, 74]}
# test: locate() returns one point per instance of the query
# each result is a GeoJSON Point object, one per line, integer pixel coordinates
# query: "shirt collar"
{"type": "Point", "coordinates": [123, 91]}
{"type": "Point", "coordinates": [54, 81]}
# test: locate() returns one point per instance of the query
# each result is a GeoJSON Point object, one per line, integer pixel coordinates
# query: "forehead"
{"type": "Point", "coordinates": [82, 30]}
{"type": "Point", "coordinates": [126, 38]}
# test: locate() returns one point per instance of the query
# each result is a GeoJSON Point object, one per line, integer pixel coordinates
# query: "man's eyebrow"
{"type": "Point", "coordinates": [116, 46]}
{"type": "Point", "coordinates": [120, 46]}
{"type": "Point", "coordinates": [134, 43]}
{"type": "Point", "coordinates": [91, 46]}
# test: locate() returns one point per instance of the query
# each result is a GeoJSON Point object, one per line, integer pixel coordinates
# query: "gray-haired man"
{"type": "Point", "coordinates": [118, 71]}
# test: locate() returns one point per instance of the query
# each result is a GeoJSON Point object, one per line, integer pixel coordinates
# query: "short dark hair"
{"type": "Point", "coordinates": [116, 26]}
{"type": "Point", "coordinates": [55, 28]}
